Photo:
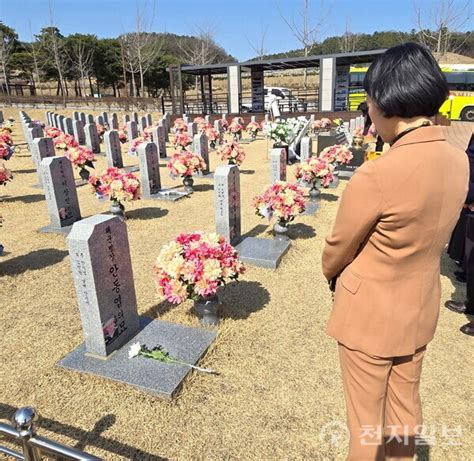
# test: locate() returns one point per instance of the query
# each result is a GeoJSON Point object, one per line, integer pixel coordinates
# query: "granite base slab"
{"type": "Point", "coordinates": [346, 174]}
{"type": "Point", "coordinates": [262, 252]}
{"type": "Point", "coordinates": [151, 376]}
{"type": "Point", "coordinates": [170, 195]}
{"type": "Point", "coordinates": [206, 176]}
{"type": "Point", "coordinates": [311, 208]}
{"type": "Point", "coordinates": [131, 168]}
{"type": "Point", "coordinates": [37, 186]}
{"type": "Point", "coordinates": [56, 230]}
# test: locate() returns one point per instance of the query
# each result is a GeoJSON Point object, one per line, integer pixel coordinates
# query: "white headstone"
{"type": "Point", "coordinates": [277, 165]}
{"type": "Point", "coordinates": [149, 169]}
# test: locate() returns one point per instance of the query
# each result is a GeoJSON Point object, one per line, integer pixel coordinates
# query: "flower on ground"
{"type": "Point", "coordinates": [134, 350]}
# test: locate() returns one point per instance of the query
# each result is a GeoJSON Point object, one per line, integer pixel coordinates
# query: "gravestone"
{"type": "Point", "coordinates": [192, 129]}
{"type": "Point", "coordinates": [143, 125]}
{"type": "Point", "coordinates": [149, 169]}
{"type": "Point", "coordinates": [218, 126]}
{"type": "Point", "coordinates": [306, 150]}
{"type": "Point", "coordinates": [82, 116]}
{"type": "Point", "coordinates": [92, 138]}
{"type": "Point", "coordinates": [186, 119]}
{"type": "Point", "coordinates": [358, 156]}
{"type": "Point", "coordinates": [267, 118]}
{"type": "Point", "coordinates": [1, 117]}
{"type": "Point", "coordinates": [47, 115]}
{"type": "Point", "coordinates": [79, 133]}
{"type": "Point", "coordinates": [62, 124]}
{"type": "Point", "coordinates": [114, 122]}
{"type": "Point", "coordinates": [69, 127]}
{"type": "Point", "coordinates": [60, 193]}
{"type": "Point", "coordinates": [103, 276]}
{"type": "Point", "coordinates": [325, 140]}
{"type": "Point", "coordinates": [166, 125]}
{"type": "Point", "coordinates": [277, 165]}
{"type": "Point", "coordinates": [102, 273]}
{"type": "Point", "coordinates": [34, 132]}
{"type": "Point", "coordinates": [224, 117]}
{"type": "Point", "coordinates": [105, 118]}
{"type": "Point", "coordinates": [126, 119]}
{"type": "Point", "coordinates": [149, 120]}
{"type": "Point", "coordinates": [227, 202]}
{"type": "Point", "coordinates": [253, 119]}
{"type": "Point", "coordinates": [40, 149]}
{"type": "Point", "coordinates": [90, 119]}
{"type": "Point", "coordinates": [135, 117]}
{"type": "Point", "coordinates": [56, 120]}
{"type": "Point", "coordinates": [100, 120]}
{"type": "Point", "coordinates": [209, 119]}
{"type": "Point", "coordinates": [113, 149]}
{"type": "Point", "coordinates": [158, 136]}
{"type": "Point", "coordinates": [201, 147]}
{"type": "Point", "coordinates": [132, 130]}
{"type": "Point", "coordinates": [76, 115]}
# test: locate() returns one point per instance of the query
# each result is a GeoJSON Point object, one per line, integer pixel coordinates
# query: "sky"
{"type": "Point", "coordinates": [236, 24]}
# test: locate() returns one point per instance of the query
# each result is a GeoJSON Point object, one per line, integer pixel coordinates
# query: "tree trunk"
{"type": "Point", "coordinates": [90, 86]}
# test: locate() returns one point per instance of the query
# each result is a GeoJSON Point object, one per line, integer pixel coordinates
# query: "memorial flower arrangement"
{"type": "Point", "coordinates": [279, 132]}
{"type": "Point", "coordinates": [358, 132]}
{"type": "Point", "coordinates": [281, 200]}
{"type": "Point", "coordinates": [100, 129]}
{"type": "Point", "coordinates": [235, 129]}
{"type": "Point", "coordinates": [6, 150]}
{"type": "Point", "coordinates": [185, 164]}
{"type": "Point", "coordinates": [122, 136]}
{"type": "Point", "coordinates": [65, 141]}
{"type": "Point", "coordinates": [5, 175]}
{"type": "Point", "coordinates": [81, 157]}
{"type": "Point", "coordinates": [338, 121]}
{"type": "Point", "coordinates": [181, 139]}
{"type": "Point", "coordinates": [322, 124]}
{"type": "Point", "coordinates": [179, 126]}
{"type": "Point", "coordinates": [252, 129]}
{"type": "Point", "coordinates": [314, 171]}
{"type": "Point", "coordinates": [200, 122]}
{"type": "Point", "coordinates": [232, 153]}
{"type": "Point", "coordinates": [117, 185]}
{"type": "Point", "coordinates": [52, 132]}
{"type": "Point", "coordinates": [134, 145]}
{"type": "Point", "coordinates": [225, 124]}
{"type": "Point", "coordinates": [194, 265]}
{"type": "Point", "coordinates": [213, 136]}
{"type": "Point", "coordinates": [336, 154]}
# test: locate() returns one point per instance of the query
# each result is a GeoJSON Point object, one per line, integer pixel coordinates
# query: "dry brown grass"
{"type": "Point", "coordinates": [280, 381]}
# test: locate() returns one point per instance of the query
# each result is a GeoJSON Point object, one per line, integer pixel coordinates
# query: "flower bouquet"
{"type": "Point", "coordinates": [252, 129]}
{"type": "Point", "coordinates": [122, 134]}
{"type": "Point", "coordinates": [134, 145]}
{"type": "Point", "coordinates": [100, 130]}
{"type": "Point", "coordinates": [338, 122]}
{"type": "Point", "coordinates": [179, 126]}
{"type": "Point", "coordinates": [213, 136]}
{"type": "Point", "coordinates": [284, 201]}
{"type": "Point", "coordinates": [6, 150]}
{"type": "Point", "coordinates": [185, 164]}
{"type": "Point", "coordinates": [314, 171]}
{"type": "Point", "coordinates": [118, 186]}
{"type": "Point", "coordinates": [321, 125]}
{"type": "Point", "coordinates": [236, 130]}
{"type": "Point", "coordinates": [65, 141]}
{"type": "Point", "coordinates": [225, 125]}
{"type": "Point", "coordinates": [336, 154]}
{"type": "Point", "coordinates": [232, 153]}
{"type": "Point", "coordinates": [81, 157]}
{"type": "Point", "coordinates": [193, 266]}
{"type": "Point", "coordinates": [279, 132]}
{"type": "Point", "coordinates": [52, 132]}
{"type": "Point", "coordinates": [5, 175]}
{"type": "Point", "coordinates": [181, 139]}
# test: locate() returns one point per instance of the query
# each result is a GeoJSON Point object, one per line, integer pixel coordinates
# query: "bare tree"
{"type": "Point", "coordinates": [81, 55]}
{"type": "Point", "coordinates": [259, 47]}
{"type": "Point", "coordinates": [348, 41]}
{"type": "Point", "coordinates": [437, 24]}
{"type": "Point", "coordinates": [140, 48]}
{"type": "Point", "coordinates": [308, 29]}
{"type": "Point", "coordinates": [7, 43]}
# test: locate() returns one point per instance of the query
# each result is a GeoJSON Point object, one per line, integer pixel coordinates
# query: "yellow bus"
{"type": "Point", "coordinates": [460, 78]}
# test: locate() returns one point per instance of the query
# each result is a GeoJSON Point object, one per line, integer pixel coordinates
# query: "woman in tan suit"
{"type": "Point", "coordinates": [383, 255]}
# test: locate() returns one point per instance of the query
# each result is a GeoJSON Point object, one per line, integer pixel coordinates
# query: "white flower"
{"type": "Point", "coordinates": [134, 350]}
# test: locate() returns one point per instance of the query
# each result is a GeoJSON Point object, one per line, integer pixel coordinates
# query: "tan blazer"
{"type": "Point", "coordinates": [394, 220]}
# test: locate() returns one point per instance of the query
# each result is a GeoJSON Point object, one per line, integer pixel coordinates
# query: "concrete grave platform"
{"type": "Point", "coordinates": [55, 230]}
{"type": "Point", "coordinates": [311, 208]}
{"type": "Point", "coordinates": [148, 375]}
{"type": "Point", "coordinates": [262, 252]}
{"type": "Point", "coordinates": [170, 195]}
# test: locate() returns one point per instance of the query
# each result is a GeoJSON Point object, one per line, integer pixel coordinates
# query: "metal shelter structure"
{"type": "Point", "coordinates": [331, 96]}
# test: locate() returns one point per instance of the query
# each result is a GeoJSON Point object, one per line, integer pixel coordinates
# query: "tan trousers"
{"type": "Point", "coordinates": [383, 404]}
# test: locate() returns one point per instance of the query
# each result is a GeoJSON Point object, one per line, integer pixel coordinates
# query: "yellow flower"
{"type": "Point", "coordinates": [212, 269]}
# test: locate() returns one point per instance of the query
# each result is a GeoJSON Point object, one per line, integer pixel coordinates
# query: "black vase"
{"type": "Point", "coordinates": [84, 174]}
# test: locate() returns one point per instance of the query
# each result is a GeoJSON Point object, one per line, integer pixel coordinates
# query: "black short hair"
{"type": "Point", "coordinates": [406, 81]}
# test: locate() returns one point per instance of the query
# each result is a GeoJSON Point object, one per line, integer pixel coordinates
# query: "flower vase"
{"type": "Point", "coordinates": [188, 182]}
{"type": "Point", "coordinates": [253, 135]}
{"type": "Point", "coordinates": [84, 174]}
{"type": "Point", "coordinates": [357, 142]}
{"type": "Point", "coordinates": [237, 137]}
{"type": "Point", "coordinates": [206, 309]}
{"type": "Point", "coordinates": [117, 209]}
{"type": "Point", "coordinates": [314, 193]}
{"type": "Point", "coordinates": [281, 230]}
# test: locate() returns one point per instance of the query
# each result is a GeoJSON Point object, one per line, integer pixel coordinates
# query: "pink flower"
{"type": "Point", "coordinates": [116, 184]}
{"type": "Point", "coordinates": [231, 152]}
{"type": "Point", "coordinates": [185, 163]}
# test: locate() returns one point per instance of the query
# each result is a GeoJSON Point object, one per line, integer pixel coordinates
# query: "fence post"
{"type": "Point", "coordinates": [24, 422]}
